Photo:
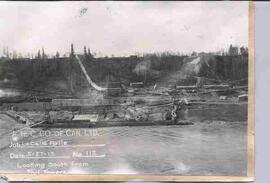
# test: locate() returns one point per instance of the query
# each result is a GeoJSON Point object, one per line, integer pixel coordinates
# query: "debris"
{"type": "Point", "coordinates": [223, 97]}
{"type": "Point", "coordinates": [86, 117]}
{"type": "Point", "coordinates": [60, 115]}
{"type": "Point", "coordinates": [136, 84]}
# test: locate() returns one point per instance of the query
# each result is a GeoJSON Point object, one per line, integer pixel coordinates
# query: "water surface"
{"type": "Point", "coordinates": [213, 146]}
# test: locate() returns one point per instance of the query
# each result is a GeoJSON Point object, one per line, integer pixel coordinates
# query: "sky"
{"type": "Point", "coordinates": [122, 28]}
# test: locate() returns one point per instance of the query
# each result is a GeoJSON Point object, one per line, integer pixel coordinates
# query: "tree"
{"type": "Point", "coordinates": [38, 55]}
{"type": "Point", "coordinates": [243, 51]}
{"type": "Point", "coordinates": [71, 50]}
{"type": "Point", "coordinates": [89, 53]}
{"type": "Point", "coordinates": [247, 50]}
{"type": "Point", "coordinates": [230, 50]}
{"type": "Point", "coordinates": [84, 51]}
{"type": "Point", "coordinates": [7, 53]}
{"type": "Point", "coordinates": [193, 53]}
{"type": "Point", "coordinates": [233, 50]}
{"type": "Point", "coordinates": [4, 51]}
{"type": "Point", "coordinates": [14, 54]}
{"type": "Point", "coordinates": [236, 50]}
{"type": "Point", "coordinates": [57, 55]}
{"type": "Point", "coordinates": [43, 53]}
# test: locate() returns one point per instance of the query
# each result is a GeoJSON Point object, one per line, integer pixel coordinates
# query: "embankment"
{"type": "Point", "coordinates": [64, 74]}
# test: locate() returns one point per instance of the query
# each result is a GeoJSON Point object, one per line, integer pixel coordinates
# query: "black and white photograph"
{"type": "Point", "coordinates": [126, 90]}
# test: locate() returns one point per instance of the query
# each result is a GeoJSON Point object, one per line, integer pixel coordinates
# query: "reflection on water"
{"type": "Point", "coordinates": [211, 149]}
{"type": "Point", "coordinates": [121, 168]}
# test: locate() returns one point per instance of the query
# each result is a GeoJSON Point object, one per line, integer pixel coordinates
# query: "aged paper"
{"type": "Point", "coordinates": [127, 91]}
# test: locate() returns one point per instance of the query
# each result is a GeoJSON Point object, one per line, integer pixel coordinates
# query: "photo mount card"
{"type": "Point", "coordinates": [127, 91]}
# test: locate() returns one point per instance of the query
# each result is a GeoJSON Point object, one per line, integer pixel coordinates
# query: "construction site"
{"type": "Point", "coordinates": [83, 90]}
{"type": "Point", "coordinates": [206, 91]}
{"type": "Point", "coordinates": [142, 90]}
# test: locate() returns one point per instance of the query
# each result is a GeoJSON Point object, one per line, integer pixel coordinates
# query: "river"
{"type": "Point", "coordinates": [214, 145]}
